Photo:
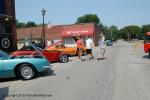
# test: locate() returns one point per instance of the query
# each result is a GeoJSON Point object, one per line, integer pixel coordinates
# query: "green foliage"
{"type": "Point", "coordinates": [88, 18]}
{"type": "Point", "coordinates": [113, 32]}
{"type": "Point", "coordinates": [146, 28]}
{"type": "Point", "coordinates": [123, 33]}
{"type": "Point", "coordinates": [131, 32]}
{"type": "Point", "coordinates": [23, 25]}
{"type": "Point", "coordinates": [105, 31]}
{"type": "Point", "coordinates": [20, 24]}
{"type": "Point", "coordinates": [31, 24]}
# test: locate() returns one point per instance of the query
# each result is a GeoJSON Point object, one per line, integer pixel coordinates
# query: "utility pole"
{"type": "Point", "coordinates": [111, 34]}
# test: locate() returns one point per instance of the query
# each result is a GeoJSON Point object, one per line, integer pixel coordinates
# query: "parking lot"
{"type": "Point", "coordinates": [123, 75]}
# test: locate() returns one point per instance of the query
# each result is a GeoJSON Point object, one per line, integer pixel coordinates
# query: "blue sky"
{"type": "Point", "coordinates": [111, 12]}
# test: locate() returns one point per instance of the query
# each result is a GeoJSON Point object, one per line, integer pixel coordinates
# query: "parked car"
{"type": "Point", "coordinates": [147, 43]}
{"type": "Point", "coordinates": [109, 43]}
{"type": "Point", "coordinates": [67, 50]}
{"type": "Point", "coordinates": [24, 67]}
{"type": "Point", "coordinates": [51, 55]}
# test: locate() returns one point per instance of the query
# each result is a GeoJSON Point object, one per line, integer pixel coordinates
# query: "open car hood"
{"type": "Point", "coordinates": [36, 49]}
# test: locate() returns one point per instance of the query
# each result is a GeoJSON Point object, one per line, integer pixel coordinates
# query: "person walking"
{"type": "Point", "coordinates": [101, 44]}
{"type": "Point", "coordinates": [79, 47]}
{"type": "Point", "coordinates": [89, 45]}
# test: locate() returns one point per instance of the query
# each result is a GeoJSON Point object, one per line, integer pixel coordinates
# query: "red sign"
{"type": "Point", "coordinates": [78, 31]}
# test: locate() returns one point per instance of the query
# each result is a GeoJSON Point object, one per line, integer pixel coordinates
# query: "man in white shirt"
{"type": "Point", "coordinates": [101, 44]}
{"type": "Point", "coordinates": [89, 45]}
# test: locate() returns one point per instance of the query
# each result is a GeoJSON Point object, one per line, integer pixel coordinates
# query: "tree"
{"type": "Point", "coordinates": [145, 28]}
{"type": "Point", "coordinates": [23, 25]}
{"type": "Point", "coordinates": [105, 31]}
{"type": "Point", "coordinates": [113, 32]}
{"type": "Point", "coordinates": [20, 24]}
{"type": "Point", "coordinates": [131, 32]}
{"type": "Point", "coordinates": [31, 24]}
{"type": "Point", "coordinates": [88, 18]}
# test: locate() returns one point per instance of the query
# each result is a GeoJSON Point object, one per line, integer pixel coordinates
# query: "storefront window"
{"type": "Point", "coordinates": [84, 39]}
{"type": "Point", "coordinates": [69, 40]}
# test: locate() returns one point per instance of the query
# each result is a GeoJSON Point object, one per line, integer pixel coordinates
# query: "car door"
{"type": "Point", "coordinates": [52, 55]}
{"type": "Point", "coordinates": [2, 68]}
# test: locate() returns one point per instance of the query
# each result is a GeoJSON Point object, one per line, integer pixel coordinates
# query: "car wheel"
{"type": "Point", "coordinates": [26, 71]}
{"type": "Point", "coordinates": [63, 58]}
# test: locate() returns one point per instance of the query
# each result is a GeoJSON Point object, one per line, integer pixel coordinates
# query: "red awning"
{"type": "Point", "coordinates": [78, 32]}
{"type": "Point", "coordinates": [148, 33]}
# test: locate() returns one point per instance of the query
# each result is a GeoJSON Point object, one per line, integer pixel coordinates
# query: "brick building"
{"type": "Point", "coordinates": [62, 33]}
{"type": "Point", "coordinates": [83, 30]}
{"type": "Point", "coordinates": [34, 33]}
{"type": "Point", "coordinates": [7, 25]}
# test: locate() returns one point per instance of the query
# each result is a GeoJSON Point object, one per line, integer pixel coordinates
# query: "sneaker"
{"type": "Point", "coordinates": [87, 59]}
{"type": "Point", "coordinates": [80, 60]}
{"type": "Point", "coordinates": [99, 58]}
{"type": "Point", "coordinates": [92, 57]}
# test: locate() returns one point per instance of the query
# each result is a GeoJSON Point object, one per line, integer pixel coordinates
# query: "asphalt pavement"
{"type": "Point", "coordinates": [123, 75]}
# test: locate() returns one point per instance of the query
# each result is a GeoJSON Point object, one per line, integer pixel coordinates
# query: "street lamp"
{"type": "Point", "coordinates": [43, 11]}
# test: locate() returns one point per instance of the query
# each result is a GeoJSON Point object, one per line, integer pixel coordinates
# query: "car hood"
{"type": "Point", "coordinates": [35, 48]}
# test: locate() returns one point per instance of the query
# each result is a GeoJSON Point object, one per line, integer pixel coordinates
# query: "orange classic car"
{"type": "Point", "coordinates": [64, 49]}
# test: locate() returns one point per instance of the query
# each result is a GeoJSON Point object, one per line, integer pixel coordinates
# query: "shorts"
{"type": "Point", "coordinates": [88, 51]}
{"type": "Point", "coordinates": [79, 49]}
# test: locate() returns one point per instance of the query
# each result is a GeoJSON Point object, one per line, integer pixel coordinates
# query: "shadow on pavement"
{"type": "Point", "coordinates": [8, 80]}
{"type": "Point", "coordinates": [146, 56]}
{"type": "Point", "coordinates": [48, 72]}
{"type": "Point", "coordinates": [4, 92]}
{"type": "Point", "coordinates": [101, 58]}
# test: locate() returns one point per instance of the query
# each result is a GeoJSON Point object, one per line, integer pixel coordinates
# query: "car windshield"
{"type": "Point", "coordinates": [3, 55]}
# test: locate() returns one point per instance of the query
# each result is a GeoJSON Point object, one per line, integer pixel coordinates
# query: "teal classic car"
{"type": "Point", "coordinates": [25, 67]}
